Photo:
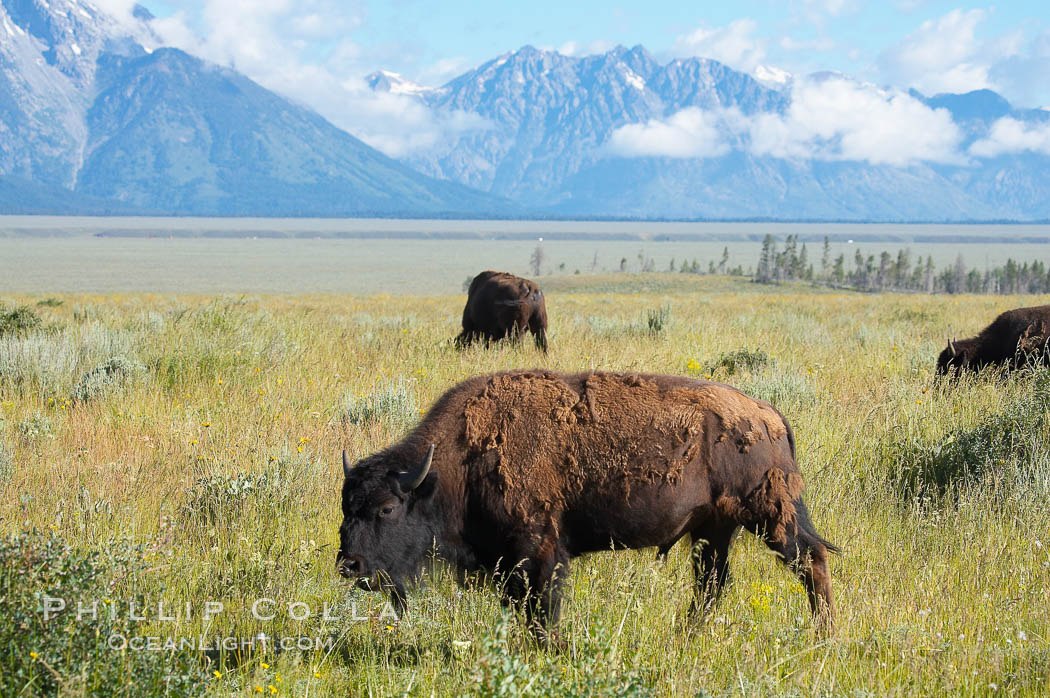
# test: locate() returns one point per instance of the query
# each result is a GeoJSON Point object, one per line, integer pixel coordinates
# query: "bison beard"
{"type": "Point", "coordinates": [533, 468]}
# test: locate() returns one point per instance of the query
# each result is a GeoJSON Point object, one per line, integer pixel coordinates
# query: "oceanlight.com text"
{"type": "Point", "coordinates": [205, 643]}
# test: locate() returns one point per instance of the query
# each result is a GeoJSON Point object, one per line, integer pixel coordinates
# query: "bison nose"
{"type": "Point", "coordinates": [352, 566]}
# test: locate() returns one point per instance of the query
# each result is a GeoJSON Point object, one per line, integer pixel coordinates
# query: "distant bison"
{"type": "Point", "coordinates": [1015, 338]}
{"type": "Point", "coordinates": [501, 305]}
{"type": "Point", "coordinates": [517, 473]}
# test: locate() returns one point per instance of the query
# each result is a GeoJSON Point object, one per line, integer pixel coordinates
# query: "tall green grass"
{"type": "Point", "coordinates": [218, 466]}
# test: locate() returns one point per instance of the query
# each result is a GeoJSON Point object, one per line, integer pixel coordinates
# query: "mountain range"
{"type": "Point", "coordinates": [96, 116]}
{"type": "Point", "coordinates": [86, 108]}
{"type": "Point", "coordinates": [555, 121]}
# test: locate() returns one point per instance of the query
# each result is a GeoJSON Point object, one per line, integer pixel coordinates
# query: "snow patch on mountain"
{"type": "Point", "coordinates": [772, 77]}
{"type": "Point", "coordinates": [395, 83]}
{"type": "Point", "coordinates": [632, 78]}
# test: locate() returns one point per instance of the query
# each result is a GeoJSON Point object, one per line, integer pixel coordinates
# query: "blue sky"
{"type": "Point", "coordinates": [432, 41]}
{"type": "Point", "coordinates": [318, 51]}
{"type": "Point", "coordinates": [832, 35]}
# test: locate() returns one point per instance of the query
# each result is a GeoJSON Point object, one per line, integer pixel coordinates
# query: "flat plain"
{"type": "Point", "coordinates": [215, 449]}
{"type": "Point", "coordinates": [41, 254]}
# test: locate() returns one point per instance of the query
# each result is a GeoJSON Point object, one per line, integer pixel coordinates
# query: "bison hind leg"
{"type": "Point", "coordinates": [710, 558]}
{"type": "Point", "coordinates": [805, 553]}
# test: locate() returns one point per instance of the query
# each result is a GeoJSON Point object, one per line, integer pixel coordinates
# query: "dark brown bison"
{"type": "Point", "coordinates": [519, 472]}
{"type": "Point", "coordinates": [1016, 338]}
{"type": "Point", "coordinates": [503, 305]}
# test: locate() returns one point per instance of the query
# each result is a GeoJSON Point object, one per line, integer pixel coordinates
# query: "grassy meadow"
{"type": "Point", "coordinates": [179, 449]}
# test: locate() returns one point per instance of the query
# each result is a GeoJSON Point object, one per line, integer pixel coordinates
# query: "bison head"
{"type": "Point", "coordinates": [387, 524]}
{"type": "Point", "coordinates": [955, 357]}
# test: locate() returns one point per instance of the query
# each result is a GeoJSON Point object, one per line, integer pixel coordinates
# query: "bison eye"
{"type": "Point", "coordinates": [387, 510]}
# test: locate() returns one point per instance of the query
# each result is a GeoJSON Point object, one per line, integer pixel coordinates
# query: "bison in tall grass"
{"type": "Point", "coordinates": [1016, 338]}
{"type": "Point", "coordinates": [503, 305]}
{"type": "Point", "coordinates": [517, 473]}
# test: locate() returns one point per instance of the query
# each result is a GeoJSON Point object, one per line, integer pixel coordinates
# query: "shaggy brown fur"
{"type": "Point", "coordinates": [532, 468]}
{"type": "Point", "coordinates": [1016, 338]}
{"type": "Point", "coordinates": [503, 305]}
{"type": "Point", "coordinates": [586, 445]}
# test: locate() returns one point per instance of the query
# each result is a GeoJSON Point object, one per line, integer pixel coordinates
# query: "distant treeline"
{"type": "Point", "coordinates": [900, 273]}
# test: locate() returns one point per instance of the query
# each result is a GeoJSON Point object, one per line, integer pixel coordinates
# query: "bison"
{"type": "Point", "coordinates": [501, 305]}
{"type": "Point", "coordinates": [1016, 338]}
{"type": "Point", "coordinates": [516, 473]}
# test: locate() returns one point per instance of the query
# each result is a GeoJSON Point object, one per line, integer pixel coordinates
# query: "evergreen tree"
{"type": "Point", "coordinates": [838, 272]}
{"type": "Point", "coordinates": [536, 260]}
{"type": "Point", "coordinates": [764, 274]}
{"type": "Point", "coordinates": [958, 278]}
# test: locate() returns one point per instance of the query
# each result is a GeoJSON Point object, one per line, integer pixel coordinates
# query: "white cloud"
{"type": "Point", "coordinates": [574, 48]}
{"type": "Point", "coordinates": [1008, 135]}
{"type": "Point", "coordinates": [945, 55]}
{"type": "Point", "coordinates": [949, 54]}
{"type": "Point", "coordinates": [443, 70]}
{"type": "Point", "coordinates": [839, 119]}
{"type": "Point", "coordinates": [830, 119]}
{"type": "Point", "coordinates": [830, 7]}
{"type": "Point", "coordinates": [820, 44]}
{"type": "Point", "coordinates": [119, 9]}
{"type": "Point", "coordinates": [300, 49]}
{"type": "Point", "coordinates": [689, 133]}
{"type": "Point", "coordinates": [733, 44]}
{"type": "Point", "coordinates": [910, 5]}
{"type": "Point", "coordinates": [1022, 77]}
{"type": "Point", "coordinates": [821, 13]}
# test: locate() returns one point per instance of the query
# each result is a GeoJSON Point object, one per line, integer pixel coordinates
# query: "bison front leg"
{"type": "Point", "coordinates": [536, 586]}
{"type": "Point", "coordinates": [710, 555]}
{"type": "Point", "coordinates": [465, 339]}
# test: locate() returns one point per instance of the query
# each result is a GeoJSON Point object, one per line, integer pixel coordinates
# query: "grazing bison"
{"type": "Point", "coordinates": [1016, 338]}
{"type": "Point", "coordinates": [517, 473]}
{"type": "Point", "coordinates": [500, 305]}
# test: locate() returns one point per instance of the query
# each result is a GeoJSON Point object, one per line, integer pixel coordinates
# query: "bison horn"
{"type": "Point", "coordinates": [347, 465]}
{"type": "Point", "coordinates": [411, 480]}
{"type": "Point", "coordinates": [955, 349]}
